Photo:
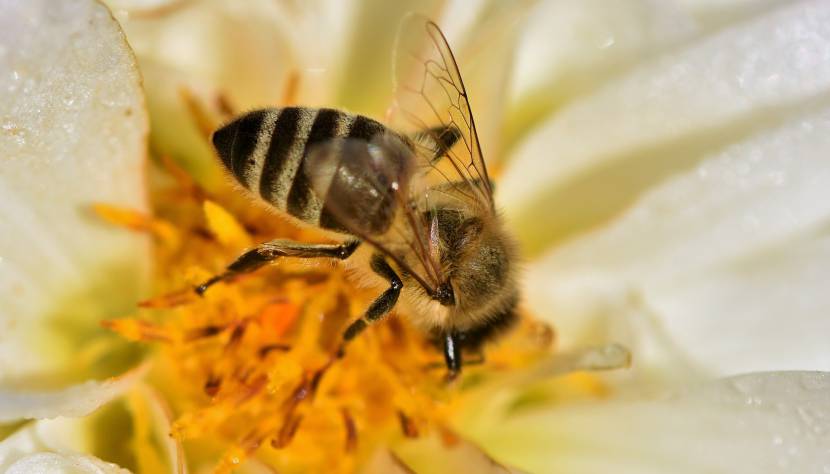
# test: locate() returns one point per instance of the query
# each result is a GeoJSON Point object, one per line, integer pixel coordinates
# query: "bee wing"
{"type": "Point", "coordinates": [368, 188]}
{"type": "Point", "coordinates": [432, 103]}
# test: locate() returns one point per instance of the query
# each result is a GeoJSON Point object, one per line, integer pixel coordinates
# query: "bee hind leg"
{"type": "Point", "coordinates": [382, 304]}
{"type": "Point", "coordinates": [269, 251]}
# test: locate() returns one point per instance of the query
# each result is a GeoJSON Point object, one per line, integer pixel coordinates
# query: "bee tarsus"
{"type": "Point", "coordinates": [382, 304]}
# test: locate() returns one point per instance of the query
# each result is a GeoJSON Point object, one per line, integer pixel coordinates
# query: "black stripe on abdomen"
{"type": "Point", "coordinates": [365, 128]}
{"type": "Point", "coordinates": [274, 165]}
{"type": "Point", "coordinates": [235, 142]}
{"type": "Point", "coordinates": [302, 202]}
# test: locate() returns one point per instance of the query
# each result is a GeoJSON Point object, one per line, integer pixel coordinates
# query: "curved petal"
{"type": "Point", "coordinates": [74, 401]}
{"type": "Point", "coordinates": [54, 463]}
{"type": "Point", "coordinates": [434, 455]}
{"type": "Point", "coordinates": [74, 128]}
{"type": "Point", "coordinates": [64, 438]}
{"type": "Point", "coordinates": [568, 49]}
{"type": "Point", "coordinates": [725, 259]}
{"type": "Point", "coordinates": [759, 423]}
{"type": "Point", "coordinates": [237, 54]}
{"type": "Point", "coordinates": [717, 13]}
{"type": "Point", "coordinates": [592, 159]}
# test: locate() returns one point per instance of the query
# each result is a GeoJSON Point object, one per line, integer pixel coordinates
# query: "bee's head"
{"type": "Point", "coordinates": [479, 259]}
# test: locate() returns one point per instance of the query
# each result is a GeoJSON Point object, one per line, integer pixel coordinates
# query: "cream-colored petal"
{"type": "Point", "coordinates": [54, 463]}
{"type": "Point", "coordinates": [718, 13]}
{"type": "Point", "coordinates": [384, 461]}
{"type": "Point", "coordinates": [483, 35]}
{"type": "Point", "coordinates": [62, 435]}
{"type": "Point", "coordinates": [73, 133]}
{"type": "Point", "coordinates": [593, 157]}
{"type": "Point", "coordinates": [365, 84]}
{"type": "Point", "coordinates": [430, 455]}
{"type": "Point", "coordinates": [142, 7]}
{"type": "Point", "coordinates": [722, 263]}
{"type": "Point", "coordinates": [759, 423]}
{"type": "Point", "coordinates": [241, 49]}
{"type": "Point", "coordinates": [765, 312]}
{"type": "Point", "coordinates": [74, 401]}
{"type": "Point", "coordinates": [569, 48]}
{"type": "Point", "coordinates": [239, 53]}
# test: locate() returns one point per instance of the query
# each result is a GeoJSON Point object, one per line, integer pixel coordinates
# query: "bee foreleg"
{"type": "Point", "coordinates": [382, 304]}
{"type": "Point", "coordinates": [269, 251]}
{"type": "Point", "coordinates": [452, 354]}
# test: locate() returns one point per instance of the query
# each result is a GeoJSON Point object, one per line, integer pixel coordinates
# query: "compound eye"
{"type": "Point", "coordinates": [444, 294]}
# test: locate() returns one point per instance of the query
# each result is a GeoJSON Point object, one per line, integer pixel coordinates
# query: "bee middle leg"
{"type": "Point", "coordinates": [269, 251]}
{"type": "Point", "coordinates": [382, 304]}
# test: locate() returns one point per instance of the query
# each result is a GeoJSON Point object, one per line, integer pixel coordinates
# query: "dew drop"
{"type": "Point", "coordinates": [608, 42]}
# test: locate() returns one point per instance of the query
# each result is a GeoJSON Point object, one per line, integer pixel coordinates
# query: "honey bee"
{"type": "Point", "coordinates": [415, 207]}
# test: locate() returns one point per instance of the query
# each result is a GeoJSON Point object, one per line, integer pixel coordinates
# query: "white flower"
{"type": "Point", "coordinates": [662, 164]}
{"type": "Point", "coordinates": [72, 131]}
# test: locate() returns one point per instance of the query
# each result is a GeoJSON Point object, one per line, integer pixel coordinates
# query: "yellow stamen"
{"type": "Point", "coordinates": [225, 227]}
{"type": "Point", "coordinates": [255, 362]}
{"type": "Point", "coordinates": [137, 221]}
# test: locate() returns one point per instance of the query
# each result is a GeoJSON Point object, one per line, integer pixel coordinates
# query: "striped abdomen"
{"type": "Point", "coordinates": [265, 150]}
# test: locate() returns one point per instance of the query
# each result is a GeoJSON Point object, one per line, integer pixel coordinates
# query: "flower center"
{"type": "Point", "coordinates": [255, 361]}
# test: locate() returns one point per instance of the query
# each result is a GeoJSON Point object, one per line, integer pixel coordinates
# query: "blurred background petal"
{"type": "Point", "coordinates": [62, 463]}
{"type": "Point", "coordinates": [73, 133]}
{"type": "Point", "coordinates": [568, 49]}
{"type": "Point", "coordinates": [725, 259]}
{"type": "Point", "coordinates": [769, 422]}
{"type": "Point", "coordinates": [600, 152]}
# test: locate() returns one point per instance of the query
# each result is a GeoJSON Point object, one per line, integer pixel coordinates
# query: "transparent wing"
{"type": "Point", "coordinates": [432, 104]}
{"type": "Point", "coordinates": [367, 188]}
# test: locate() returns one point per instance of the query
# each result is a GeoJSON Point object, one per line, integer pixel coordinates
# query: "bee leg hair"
{"type": "Point", "coordinates": [382, 304]}
{"type": "Point", "coordinates": [274, 249]}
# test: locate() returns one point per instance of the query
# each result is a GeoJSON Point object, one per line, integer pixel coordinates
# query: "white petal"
{"type": "Point", "coordinates": [384, 461]}
{"type": "Point", "coordinates": [62, 435]}
{"type": "Point", "coordinates": [430, 455]}
{"type": "Point", "coordinates": [366, 84]}
{"type": "Point", "coordinates": [759, 423]}
{"type": "Point", "coordinates": [483, 35]}
{"type": "Point", "coordinates": [54, 463]}
{"type": "Point", "coordinates": [239, 48]}
{"type": "Point", "coordinates": [77, 400]}
{"type": "Point", "coordinates": [726, 259]}
{"type": "Point", "coordinates": [594, 156]}
{"type": "Point", "coordinates": [716, 13]}
{"type": "Point", "coordinates": [161, 419]}
{"type": "Point", "coordinates": [252, 54]}
{"type": "Point", "coordinates": [141, 7]}
{"type": "Point", "coordinates": [73, 133]}
{"type": "Point", "coordinates": [768, 312]}
{"type": "Point", "coordinates": [569, 48]}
